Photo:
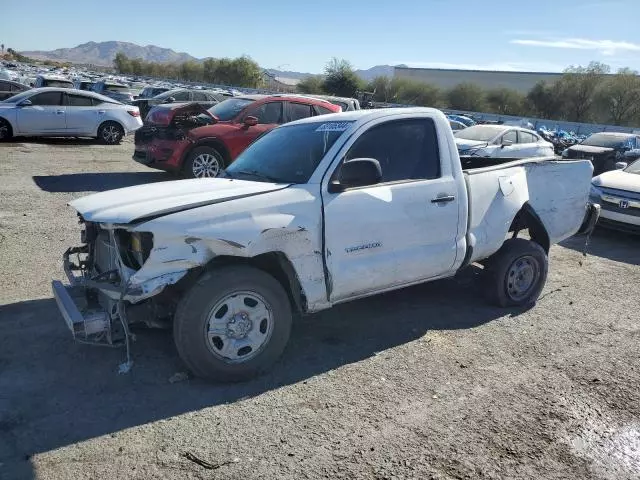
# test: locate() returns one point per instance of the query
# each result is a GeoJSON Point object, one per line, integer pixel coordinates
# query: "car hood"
{"type": "Point", "coordinates": [590, 149]}
{"type": "Point", "coordinates": [143, 202]}
{"type": "Point", "coordinates": [618, 180]}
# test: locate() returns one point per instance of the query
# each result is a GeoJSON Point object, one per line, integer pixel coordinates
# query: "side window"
{"type": "Point", "coordinates": [79, 101]}
{"type": "Point", "coordinates": [200, 97]}
{"type": "Point", "coordinates": [510, 136]}
{"type": "Point", "coordinates": [5, 86]}
{"type": "Point", "coordinates": [526, 137]}
{"type": "Point", "coordinates": [47, 99]}
{"type": "Point", "coordinates": [182, 96]}
{"type": "Point", "coordinates": [268, 113]}
{"type": "Point", "coordinates": [298, 111]}
{"type": "Point", "coordinates": [406, 149]}
{"type": "Point", "coordinates": [322, 110]}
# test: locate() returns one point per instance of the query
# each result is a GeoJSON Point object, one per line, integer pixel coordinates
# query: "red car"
{"type": "Point", "coordinates": [188, 139]}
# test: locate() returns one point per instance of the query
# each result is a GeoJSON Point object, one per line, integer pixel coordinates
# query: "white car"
{"type": "Point", "coordinates": [61, 112]}
{"type": "Point", "coordinates": [618, 192]}
{"type": "Point", "coordinates": [501, 141]}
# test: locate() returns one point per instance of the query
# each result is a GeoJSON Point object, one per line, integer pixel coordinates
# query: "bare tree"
{"type": "Point", "coordinates": [578, 87]}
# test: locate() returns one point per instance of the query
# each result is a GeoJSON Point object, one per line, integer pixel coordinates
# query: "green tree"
{"type": "Point", "coordinates": [121, 63]}
{"type": "Point", "coordinates": [341, 79]}
{"type": "Point", "coordinates": [414, 92]}
{"type": "Point", "coordinates": [311, 84]}
{"type": "Point", "coordinates": [467, 96]}
{"type": "Point", "coordinates": [505, 101]}
{"type": "Point", "coordinates": [544, 100]}
{"type": "Point", "coordinates": [619, 97]}
{"type": "Point", "coordinates": [578, 87]}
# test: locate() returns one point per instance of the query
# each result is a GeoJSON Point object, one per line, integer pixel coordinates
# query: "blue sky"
{"type": "Point", "coordinates": [302, 35]}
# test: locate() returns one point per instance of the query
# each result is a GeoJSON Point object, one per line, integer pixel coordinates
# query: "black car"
{"type": "Point", "coordinates": [204, 97]}
{"type": "Point", "coordinates": [150, 92]}
{"type": "Point", "coordinates": [9, 89]}
{"type": "Point", "coordinates": [604, 149]}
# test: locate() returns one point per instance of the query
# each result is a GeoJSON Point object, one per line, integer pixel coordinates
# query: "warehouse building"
{"type": "Point", "coordinates": [448, 78]}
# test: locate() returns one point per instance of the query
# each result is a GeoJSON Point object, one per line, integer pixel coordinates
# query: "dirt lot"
{"type": "Point", "coordinates": [427, 382]}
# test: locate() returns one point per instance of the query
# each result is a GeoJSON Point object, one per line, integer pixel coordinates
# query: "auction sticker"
{"type": "Point", "coordinates": [333, 127]}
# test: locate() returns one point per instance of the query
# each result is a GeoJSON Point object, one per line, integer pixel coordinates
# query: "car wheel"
{"type": "Point", "coordinates": [110, 133]}
{"type": "Point", "coordinates": [204, 162]}
{"type": "Point", "coordinates": [232, 324]}
{"type": "Point", "coordinates": [517, 273]}
{"type": "Point", "coordinates": [6, 132]}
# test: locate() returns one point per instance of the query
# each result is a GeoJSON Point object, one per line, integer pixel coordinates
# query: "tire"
{"type": "Point", "coordinates": [204, 162]}
{"type": "Point", "coordinates": [6, 132]}
{"type": "Point", "coordinates": [110, 133]}
{"type": "Point", "coordinates": [517, 273]}
{"type": "Point", "coordinates": [212, 333]}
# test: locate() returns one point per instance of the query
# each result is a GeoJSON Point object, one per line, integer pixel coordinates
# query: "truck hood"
{"type": "Point", "coordinates": [143, 202]}
{"type": "Point", "coordinates": [590, 149]}
{"type": "Point", "coordinates": [618, 180]}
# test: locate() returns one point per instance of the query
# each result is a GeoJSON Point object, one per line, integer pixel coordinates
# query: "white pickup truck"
{"type": "Point", "coordinates": [314, 213]}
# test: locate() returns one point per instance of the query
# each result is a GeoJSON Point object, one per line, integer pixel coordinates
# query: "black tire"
{"type": "Point", "coordinates": [195, 311]}
{"type": "Point", "coordinates": [6, 132]}
{"type": "Point", "coordinates": [202, 158]}
{"type": "Point", "coordinates": [508, 273]}
{"type": "Point", "coordinates": [110, 133]}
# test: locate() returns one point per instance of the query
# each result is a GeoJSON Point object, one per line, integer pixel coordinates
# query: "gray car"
{"type": "Point", "coordinates": [178, 95]}
{"type": "Point", "coordinates": [117, 91]}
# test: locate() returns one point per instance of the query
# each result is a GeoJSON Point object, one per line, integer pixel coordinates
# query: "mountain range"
{"type": "Point", "coordinates": [103, 53]}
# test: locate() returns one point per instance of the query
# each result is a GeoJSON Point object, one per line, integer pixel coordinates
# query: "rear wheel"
{"type": "Point", "coordinates": [517, 273]}
{"type": "Point", "coordinates": [110, 133]}
{"type": "Point", "coordinates": [204, 162]}
{"type": "Point", "coordinates": [5, 130]}
{"type": "Point", "coordinates": [232, 324]}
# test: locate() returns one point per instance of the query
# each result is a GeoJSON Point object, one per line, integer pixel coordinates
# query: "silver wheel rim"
{"type": "Point", "coordinates": [206, 165]}
{"type": "Point", "coordinates": [238, 327]}
{"type": "Point", "coordinates": [4, 132]}
{"type": "Point", "coordinates": [110, 134]}
{"type": "Point", "coordinates": [522, 277]}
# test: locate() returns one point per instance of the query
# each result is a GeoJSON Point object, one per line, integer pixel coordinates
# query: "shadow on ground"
{"type": "Point", "coordinates": [56, 141]}
{"type": "Point", "coordinates": [54, 392]}
{"type": "Point", "coordinates": [97, 182]}
{"type": "Point", "coordinates": [616, 246]}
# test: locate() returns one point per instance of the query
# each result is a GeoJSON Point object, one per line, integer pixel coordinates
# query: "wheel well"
{"type": "Point", "coordinates": [2, 119]}
{"type": "Point", "coordinates": [528, 219]}
{"type": "Point", "coordinates": [275, 264]}
{"type": "Point", "coordinates": [111, 121]}
{"type": "Point", "coordinates": [210, 142]}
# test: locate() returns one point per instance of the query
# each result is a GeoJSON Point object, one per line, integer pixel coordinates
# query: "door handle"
{"type": "Point", "coordinates": [443, 199]}
{"type": "Point", "coordinates": [59, 112]}
{"type": "Point", "coordinates": [100, 112]}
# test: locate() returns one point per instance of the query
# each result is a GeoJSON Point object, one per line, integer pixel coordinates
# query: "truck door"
{"type": "Point", "coordinates": [402, 230]}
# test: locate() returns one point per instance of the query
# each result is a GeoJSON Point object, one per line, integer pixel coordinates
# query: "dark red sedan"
{"type": "Point", "coordinates": [195, 142]}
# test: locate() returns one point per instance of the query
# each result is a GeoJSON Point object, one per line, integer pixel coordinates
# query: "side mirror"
{"type": "Point", "coordinates": [621, 165]}
{"type": "Point", "coordinates": [171, 100]}
{"type": "Point", "coordinates": [506, 143]}
{"type": "Point", "coordinates": [25, 103]}
{"type": "Point", "coordinates": [250, 121]}
{"type": "Point", "coordinates": [358, 172]}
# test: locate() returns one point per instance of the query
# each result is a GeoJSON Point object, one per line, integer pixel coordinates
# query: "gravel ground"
{"type": "Point", "coordinates": [427, 382]}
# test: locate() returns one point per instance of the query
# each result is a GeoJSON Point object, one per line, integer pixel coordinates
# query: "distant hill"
{"type": "Point", "coordinates": [103, 53]}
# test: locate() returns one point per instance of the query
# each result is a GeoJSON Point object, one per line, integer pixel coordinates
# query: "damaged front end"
{"type": "Point", "coordinates": [110, 288]}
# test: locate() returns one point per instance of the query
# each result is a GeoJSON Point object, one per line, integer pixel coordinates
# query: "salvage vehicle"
{"type": "Point", "coordinates": [151, 91]}
{"type": "Point", "coordinates": [314, 213]}
{"type": "Point", "coordinates": [54, 81]}
{"type": "Point", "coordinates": [62, 112]}
{"type": "Point", "coordinates": [604, 149]}
{"type": "Point", "coordinates": [347, 104]}
{"type": "Point", "coordinates": [205, 98]}
{"type": "Point", "coordinates": [501, 141]}
{"type": "Point", "coordinates": [618, 192]}
{"type": "Point", "coordinates": [197, 143]}
{"type": "Point", "coordinates": [118, 91]}
{"type": "Point", "coordinates": [9, 88]}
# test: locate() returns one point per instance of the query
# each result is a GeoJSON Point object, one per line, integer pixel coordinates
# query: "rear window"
{"type": "Point", "coordinates": [57, 83]}
{"type": "Point", "coordinates": [605, 140]}
{"type": "Point", "coordinates": [116, 88]}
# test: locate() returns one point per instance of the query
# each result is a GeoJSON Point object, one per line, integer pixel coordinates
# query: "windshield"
{"type": "Point", "coordinates": [117, 88]}
{"type": "Point", "coordinates": [633, 168]}
{"type": "Point", "coordinates": [228, 109]}
{"type": "Point", "coordinates": [288, 154]}
{"type": "Point", "coordinates": [18, 98]}
{"type": "Point", "coordinates": [480, 133]}
{"type": "Point", "coordinates": [58, 84]}
{"type": "Point", "coordinates": [605, 140]}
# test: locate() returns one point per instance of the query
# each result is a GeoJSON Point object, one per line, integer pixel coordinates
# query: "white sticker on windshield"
{"type": "Point", "coordinates": [333, 127]}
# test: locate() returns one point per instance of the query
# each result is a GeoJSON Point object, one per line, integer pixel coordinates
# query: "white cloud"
{"type": "Point", "coordinates": [605, 47]}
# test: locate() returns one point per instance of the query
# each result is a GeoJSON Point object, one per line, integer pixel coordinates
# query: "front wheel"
{"type": "Point", "coordinates": [204, 162]}
{"type": "Point", "coordinates": [517, 273]}
{"type": "Point", "coordinates": [110, 133]}
{"type": "Point", "coordinates": [233, 324]}
{"type": "Point", "coordinates": [5, 130]}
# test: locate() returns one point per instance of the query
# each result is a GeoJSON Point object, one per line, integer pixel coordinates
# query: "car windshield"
{"type": "Point", "coordinates": [18, 98]}
{"type": "Point", "coordinates": [117, 88]}
{"type": "Point", "coordinates": [228, 109]}
{"type": "Point", "coordinates": [605, 140]}
{"type": "Point", "coordinates": [288, 154]}
{"type": "Point", "coordinates": [633, 168]}
{"type": "Point", "coordinates": [58, 83]}
{"type": "Point", "coordinates": [480, 133]}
